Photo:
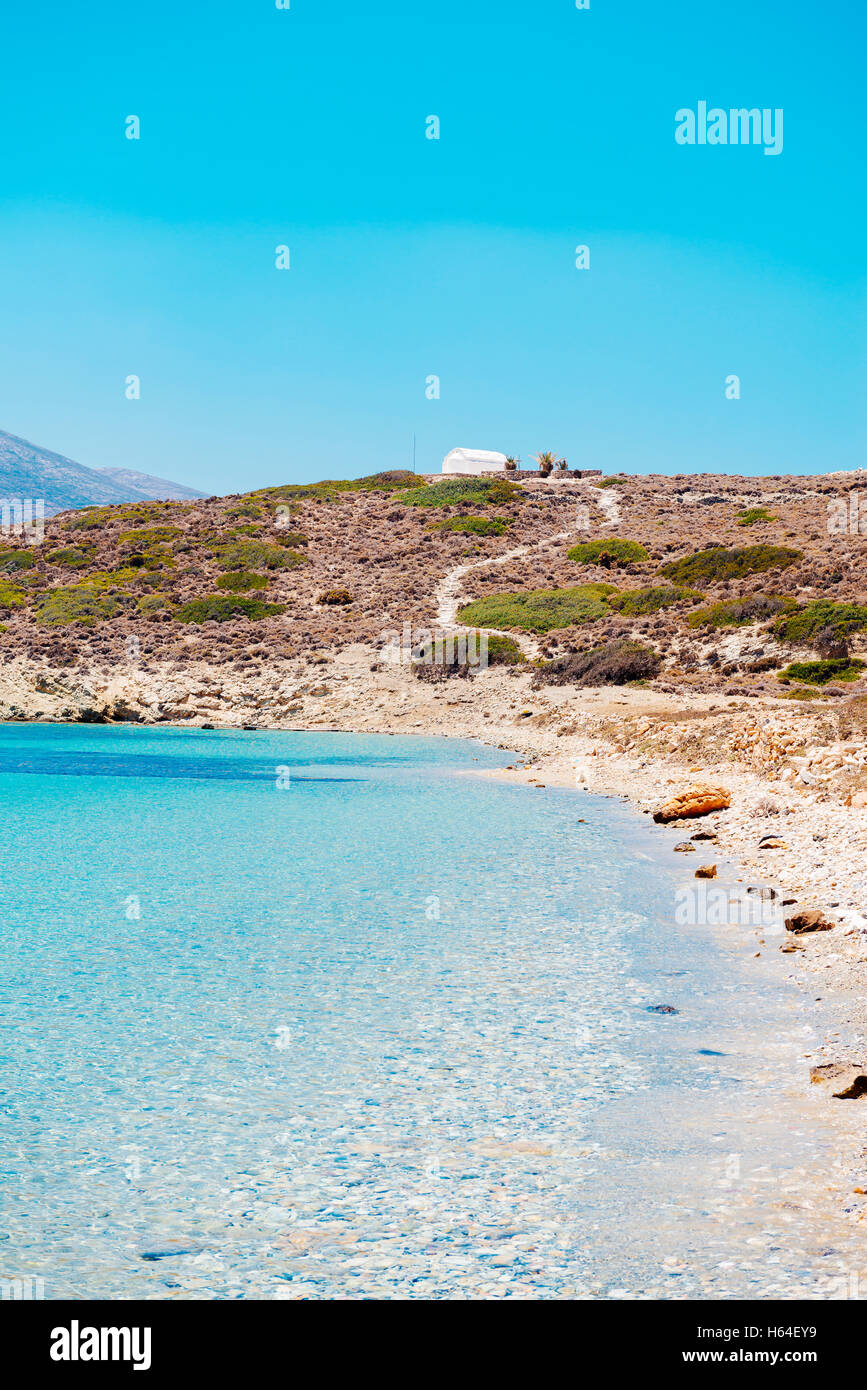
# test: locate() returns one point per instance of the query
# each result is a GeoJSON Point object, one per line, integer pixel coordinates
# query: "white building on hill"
{"type": "Point", "coordinates": [473, 461]}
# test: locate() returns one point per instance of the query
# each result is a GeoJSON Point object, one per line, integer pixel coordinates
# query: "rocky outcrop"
{"type": "Point", "coordinates": [848, 1080]}
{"type": "Point", "coordinates": [699, 800]}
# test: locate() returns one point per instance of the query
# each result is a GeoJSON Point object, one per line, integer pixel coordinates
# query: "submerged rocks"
{"type": "Point", "coordinates": [699, 800]}
{"type": "Point", "coordinates": [848, 1079]}
{"type": "Point", "coordinates": [808, 920]}
{"type": "Point", "coordinates": [684, 848]}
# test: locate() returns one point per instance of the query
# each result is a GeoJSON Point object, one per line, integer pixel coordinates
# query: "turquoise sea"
{"type": "Point", "coordinates": [296, 1015]}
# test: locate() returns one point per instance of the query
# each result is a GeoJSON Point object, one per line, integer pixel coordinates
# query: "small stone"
{"type": "Point", "coordinates": [706, 871]}
{"type": "Point", "coordinates": [808, 920]}
{"type": "Point", "coordinates": [684, 848]}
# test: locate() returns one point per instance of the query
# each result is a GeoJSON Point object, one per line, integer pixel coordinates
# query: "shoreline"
{"type": "Point", "coordinates": [640, 745]}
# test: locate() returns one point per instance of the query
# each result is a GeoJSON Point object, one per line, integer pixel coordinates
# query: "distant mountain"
{"type": "Point", "coordinates": [146, 485]}
{"type": "Point", "coordinates": [26, 471]}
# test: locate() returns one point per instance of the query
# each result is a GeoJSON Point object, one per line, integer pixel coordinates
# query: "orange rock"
{"type": "Point", "coordinates": [699, 800]}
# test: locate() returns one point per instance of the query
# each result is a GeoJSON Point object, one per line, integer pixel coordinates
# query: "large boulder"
{"type": "Point", "coordinates": [699, 800]}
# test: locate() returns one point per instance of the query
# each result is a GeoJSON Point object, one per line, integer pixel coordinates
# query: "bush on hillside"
{"type": "Point", "coordinates": [220, 609]}
{"type": "Point", "coordinates": [539, 610]}
{"type": "Point", "coordinates": [820, 672]}
{"type": "Point", "coordinates": [612, 551]}
{"type": "Point", "coordinates": [473, 525]}
{"type": "Point", "coordinates": [637, 603]}
{"type": "Point", "coordinates": [238, 581]}
{"type": "Point", "coordinates": [737, 612]}
{"type": "Point", "coordinates": [79, 603]}
{"type": "Point", "coordinates": [806, 623]}
{"type": "Point", "coordinates": [751, 516]}
{"type": "Point", "coordinates": [614, 663]}
{"type": "Point", "coordinates": [452, 491]}
{"type": "Point", "coordinates": [707, 566]}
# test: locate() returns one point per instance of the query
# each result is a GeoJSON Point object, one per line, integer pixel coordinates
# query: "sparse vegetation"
{"type": "Point", "coordinates": [708, 566]}
{"type": "Point", "coordinates": [615, 480]}
{"type": "Point", "coordinates": [611, 551]}
{"type": "Point", "coordinates": [539, 610]}
{"type": "Point", "coordinates": [614, 663]}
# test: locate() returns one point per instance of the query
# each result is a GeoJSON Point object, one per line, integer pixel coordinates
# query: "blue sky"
{"type": "Point", "coordinates": [412, 257]}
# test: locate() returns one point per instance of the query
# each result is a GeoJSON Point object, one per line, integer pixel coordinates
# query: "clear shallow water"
{"type": "Point", "coordinates": [383, 1030]}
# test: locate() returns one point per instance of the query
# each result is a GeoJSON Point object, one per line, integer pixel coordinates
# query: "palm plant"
{"type": "Point", "coordinates": [512, 463]}
{"type": "Point", "coordinates": [545, 461]}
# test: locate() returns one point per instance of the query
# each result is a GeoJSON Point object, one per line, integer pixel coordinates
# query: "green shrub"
{"type": "Point", "coordinates": [452, 491]}
{"type": "Point", "coordinates": [238, 581]}
{"type": "Point", "coordinates": [820, 672]}
{"type": "Point", "coordinates": [707, 566]}
{"type": "Point", "coordinates": [221, 609]}
{"type": "Point", "coordinates": [614, 481]}
{"type": "Point", "coordinates": [70, 557]}
{"type": "Point", "coordinates": [637, 603]}
{"type": "Point", "coordinates": [335, 598]}
{"type": "Point", "coordinates": [539, 610]}
{"type": "Point", "coordinates": [10, 596]}
{"type": "Point", "coordinates": [12, 560]}
{"type": "Point", "coordinates": [473, 525]}
{"type": "Point", "coordinates": [78, 604]}
{"type": "Point", "coordinates": [750, 516]}
{"type": "Point", "coordinates": [594, 552]}
{"type": "Point", "coordinates": [504, 651]}
{"type": "Point", "coordinates": [804, 625]}
{"type": "Point", "coordinates": [614, 663]}
{"type": "Point", "coordinates": [737, 612]}
{"type": "Point", "coordinates": [250, 554]}
{"type": "Point", "coordinates": [291, 539]}
{"type": "Point", "coordinates": [153, 603]}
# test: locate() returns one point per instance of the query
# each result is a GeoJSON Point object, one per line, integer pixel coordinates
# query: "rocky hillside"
{"type": "Point", "coordinates": [719, 583]}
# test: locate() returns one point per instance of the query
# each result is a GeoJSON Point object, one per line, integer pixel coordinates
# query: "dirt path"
{"type": "Point", "coordinates": [450, 588]}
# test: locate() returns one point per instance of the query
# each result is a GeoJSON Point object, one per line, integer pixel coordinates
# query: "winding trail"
{"type": "Point", "coordinates": [449, 591]}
